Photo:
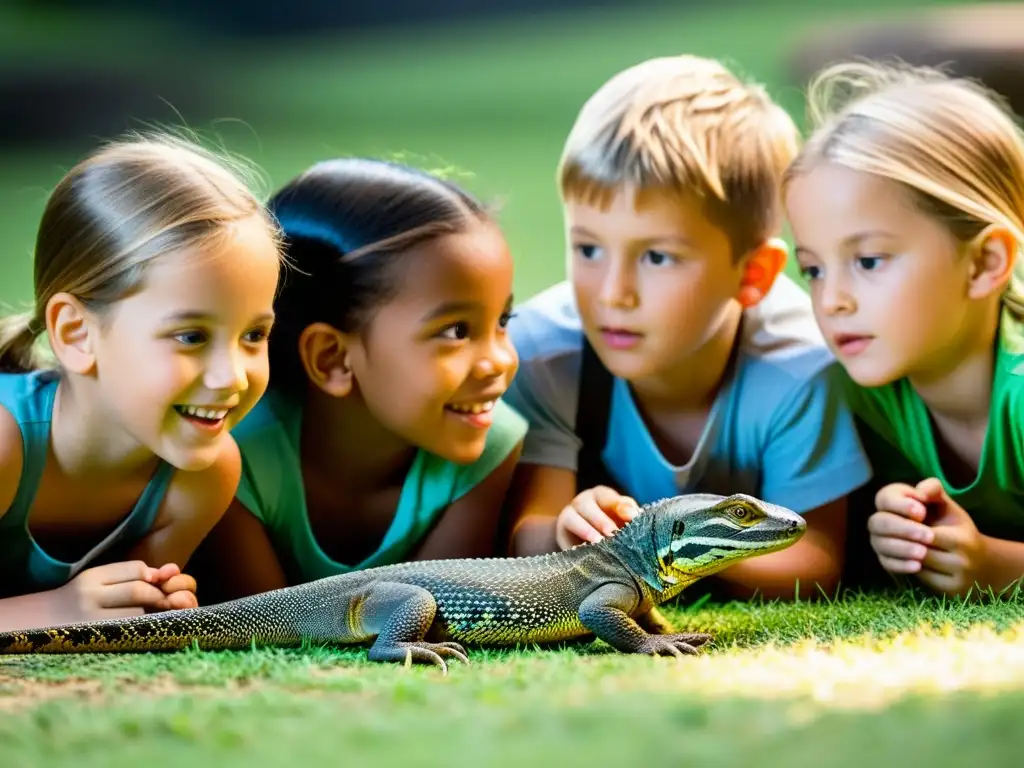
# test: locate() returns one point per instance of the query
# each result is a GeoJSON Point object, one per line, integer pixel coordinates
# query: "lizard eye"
{"type": "Point", "coordinates": [740, 513]}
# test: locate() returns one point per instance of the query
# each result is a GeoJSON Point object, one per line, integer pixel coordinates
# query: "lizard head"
{"type": "Point", "coordinates": [696, 535]}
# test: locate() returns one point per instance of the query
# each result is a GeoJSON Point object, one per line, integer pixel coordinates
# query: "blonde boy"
{"type": "Point", "coordinates": [677, 359]}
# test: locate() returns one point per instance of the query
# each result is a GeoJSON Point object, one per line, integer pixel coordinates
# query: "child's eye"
{"type": "Point", "coordinates": [190, 338]}
{"type": "Point", "coordinates": [658, 258]}
{"type": "Point", "coordinates": [870, 263]}
{"type": "Point", "coordinates": [456, 331]}
{"type": "Point", "coordinates": [505, 318]}
{"type": "Point", "coordinates": [255, 336]}
{"type": "Point", "coordinates": [810, 272]}
{"type": "Point", "coordinates": [587, 251]}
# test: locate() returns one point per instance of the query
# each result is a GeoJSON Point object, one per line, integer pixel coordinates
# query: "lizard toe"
{"type": "Point", "coordinates": [408, 654]}
{"type": "Point", "coordinates": [667, 645]}
{"type": "Point", "coordinates": [696, 639]}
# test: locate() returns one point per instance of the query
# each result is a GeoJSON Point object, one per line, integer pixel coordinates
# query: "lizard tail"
{"type": "Point", "coordinates": [262, 619]}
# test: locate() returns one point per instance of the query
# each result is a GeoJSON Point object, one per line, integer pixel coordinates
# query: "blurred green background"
{"type": "Point", "coordinates": [489, 100]}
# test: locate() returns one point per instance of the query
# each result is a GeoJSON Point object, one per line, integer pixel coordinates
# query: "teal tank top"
{"type": "Point", "coordinates": [24, 566]}
{"type": "Point", "coordinates": [272, 487]}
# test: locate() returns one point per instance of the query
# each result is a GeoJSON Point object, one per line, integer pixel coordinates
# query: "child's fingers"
{"type": "Point", "coordinates": [626, 509]}
{"type": "Point", "coordinates": [898, 549]}
{"type": "Point", "coordinates": [129, 594]}
{"type": "Point", "coordinates": [612, 502]}
{"type": "Point", "coordinates": [572, 522]}
{"type": "Point", "coordinates": [126, 571]}
{"type": "Point", "coordinates": [587, 508]}
{"type": "Point", "coordinates": [166, 571]}
{"type": "Point", "coordinates": [897, 527]}
{"type": "Point", "coordinates": [177, 601]}
{"type": "Point", "coordinates": [180, 582]}
{"type": "Point", "coordinates": [931, 490]}
{"type": "Point", "coordinates": [908, 506]}
{"type": "Point", "coordinates": [943, 563]}
{"type": "Point", "coordinates": [894, 565]}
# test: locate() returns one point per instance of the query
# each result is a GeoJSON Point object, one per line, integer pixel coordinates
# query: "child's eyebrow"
{"type": "Point", "coordinates": [197, 316]}
{"type": "Point", "coordinates": [451, 308]}
{"type": "Point", "coordinates": [857, 237]}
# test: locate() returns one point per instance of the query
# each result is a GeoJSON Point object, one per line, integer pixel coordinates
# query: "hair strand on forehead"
{"type": "Point", "coordinates": [688, 125]}
{"type": "Point", "coordinates": [126, 205]}
{"type": "Point", "coordinates": [348, 223]}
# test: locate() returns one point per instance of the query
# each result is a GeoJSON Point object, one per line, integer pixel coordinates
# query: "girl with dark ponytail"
{"type": "Point", "coordinates": [383, 436]}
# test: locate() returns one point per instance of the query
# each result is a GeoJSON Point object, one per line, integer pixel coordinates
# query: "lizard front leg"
{"type": "Point", "coordinates": [606, 613]}
{"type": "Point", "coordinates": [400, 615]}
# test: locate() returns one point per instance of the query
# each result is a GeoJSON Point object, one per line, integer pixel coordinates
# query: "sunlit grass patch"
{"type": "Point", "coordinates": [862, 680]}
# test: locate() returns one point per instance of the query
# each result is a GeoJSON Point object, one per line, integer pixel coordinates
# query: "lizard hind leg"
{"type": "Point", "coordinates": [400, 615]}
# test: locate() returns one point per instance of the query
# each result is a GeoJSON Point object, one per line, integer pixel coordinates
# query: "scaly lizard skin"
{"type": "Point", "coordinates": [422, 611]}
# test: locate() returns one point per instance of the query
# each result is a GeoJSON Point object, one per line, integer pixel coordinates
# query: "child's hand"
{"type": "Point", "coordinates": [898, 533]}
{"type": "Point", "coordinates": [179, 591]}
{"type": "Point", "coordinates": [115, 590]}
{"type": "Point", "coordinates": [954, 554]}
{"type": "Point", "coordinates": [957, 556]}
{"type": "Point", "coordinates": [595, 513]}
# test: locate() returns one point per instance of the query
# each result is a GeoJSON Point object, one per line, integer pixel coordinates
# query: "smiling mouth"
{"type": "Point", "coordinates": [479, 415]}
{"type": "Point", "coordinates": [207, 417]}
{"type": "Point", "coordinates": [472, 409]}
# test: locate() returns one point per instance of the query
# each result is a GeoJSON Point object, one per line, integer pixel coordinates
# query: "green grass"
{"type": "Point", "coordinates": [860, 680]}
{"type": "Point", "coordinates": [867, 680]}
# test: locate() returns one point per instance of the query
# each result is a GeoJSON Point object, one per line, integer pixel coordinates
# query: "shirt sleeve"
{"type": "Point", "coordinates": [814, 453]}
{"type": "Point", "coordinates": [545, 392]}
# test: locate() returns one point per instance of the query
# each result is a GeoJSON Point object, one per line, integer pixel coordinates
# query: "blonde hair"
{"type": "Point", "coordinates": [111, 215]}
{"type": "Point", "coordinates": [685, 123]}
{"type": "Point", "coordinates": [951, 142]}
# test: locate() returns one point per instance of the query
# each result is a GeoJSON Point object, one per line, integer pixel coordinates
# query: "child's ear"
{"type": "Point", "coordinates": [760, 268]}
{"type": "Point", "coordinates": [992, 253]}
{"type": "Point", "coordinates": [324, 352]}
{"type": "Point", "coordinates": [71, 331]}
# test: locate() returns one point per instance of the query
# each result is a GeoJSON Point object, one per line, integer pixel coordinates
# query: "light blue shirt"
{"type": "Point", "coordinates": [779, 428]}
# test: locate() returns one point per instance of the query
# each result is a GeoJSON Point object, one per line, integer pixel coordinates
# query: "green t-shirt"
{"type": "Point", "coordinates": [899, 438]}
{"type": "Point", "coordinates": [272, 489]}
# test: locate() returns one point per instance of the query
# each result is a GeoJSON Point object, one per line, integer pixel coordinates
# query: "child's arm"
{"type": "Point", "coordinates": [106, 591]}
{"type": "Point", "coordinates": [470, 525]}
{"type": "Point", "coordinates": [194, 503]}
{"type": "Point", "coordinates": [536, 495]}
{"type": "Point", "coordinates": [548, 515]}
{"type": "Point", "coordinates": [238, 558]}
{"type": "Point", "coordinates": [111, 591]}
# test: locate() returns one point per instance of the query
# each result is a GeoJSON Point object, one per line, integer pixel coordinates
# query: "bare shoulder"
{"type": "Point", "coordinates": [11, 459]}
{"type": "Point", "coordinates": [205, 493]}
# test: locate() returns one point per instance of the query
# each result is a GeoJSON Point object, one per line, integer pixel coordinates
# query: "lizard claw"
{"type": "Point", "coordinates": [695, 639]}
{"type": "Point", "coordinates": [676, 645]}
{"type": "Point", "coordinates": [420, 653]}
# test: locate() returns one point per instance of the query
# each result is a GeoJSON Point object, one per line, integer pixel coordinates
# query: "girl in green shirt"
{"type": "Point", "coordinates": [907, 208]}
{"type": "Point", "coordinates": [383, 436]}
